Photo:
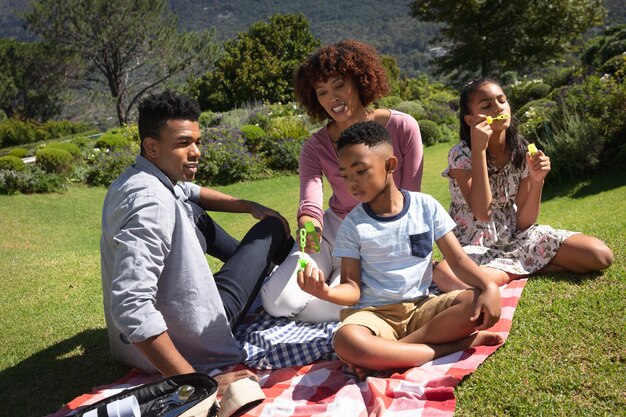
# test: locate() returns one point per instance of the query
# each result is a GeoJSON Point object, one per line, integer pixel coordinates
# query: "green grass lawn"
{"type": "Point", "coordinates": [565, 354]}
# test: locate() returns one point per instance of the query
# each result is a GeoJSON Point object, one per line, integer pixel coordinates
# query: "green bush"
{"type": "Point", "coordinates": [441, 108]}
{"type": "Point", "coordinates": [112, 141]}
{"type": "Point", "coordinates": [30, 181]}
{"type": "Point", "coordinates": [71, 148]}
{"type": "Point", "coordinates": [235, 118]}
{"type": "Point", "coordinates": [287, 127]}
{"type": "Point", "coordinates": [16, 132]}
{"type": "Point", "coordinates": [447, 134]}
{"type": "Point", "coordinates": [12, 163]}
{"type": "Point", "coordinates": [522, 92]}
{"type": "Point", "coordinates": [573, 147]}
{"type": "Point", "coordinates": [209, 119]}
{"type": "Point", "coordinates": [284, 154]}
{"type": "Point", "coordinates": [430, 132]}
{"type": "Point", "coordinates": [57, 161]}
{"type": "Point", "coordinates": [55, 129]}
{"type": "Point", "coordinates": [105, 167]}
{"type": "Point", "coordinates": [254, 137]}
{"type": "Point", "coordinates": [19, 152]}
{"type": "Point", "coordinates": [225, 158]}
{"type": "Point", "coordinates": [389, 102]}
{"type": "Point", "coordinates": [82, 142]}
{"type": "Point", "coordinates": [413, 108]}
{"type": "Point", "coordinates": [602, 102]}
{"type": "Point", "coordinates": [534, 118]}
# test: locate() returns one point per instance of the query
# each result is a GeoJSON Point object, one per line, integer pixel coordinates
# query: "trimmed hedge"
{"type": "Point", "coordinates": [71, 148]}
{"type": "Point", "coordinates": [56, 161]}
{"type": "Point", "coordinates": [112, 141]}
{"type": "Point", "coordinates": [12, 163]}
{"type": "Point", "coordinates": [431, 133]}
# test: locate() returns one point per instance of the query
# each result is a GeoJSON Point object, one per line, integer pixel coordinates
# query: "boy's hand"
{"type": "Point", "coordinates": [538, 165]}
{"type": "Point", "coordinates": [312, 281]}
{"type": "Point", "coordinates": [487, 305]}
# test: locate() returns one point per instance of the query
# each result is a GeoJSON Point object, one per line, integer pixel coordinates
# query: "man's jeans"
{"type": "Point", "coordinates": [246, 263]}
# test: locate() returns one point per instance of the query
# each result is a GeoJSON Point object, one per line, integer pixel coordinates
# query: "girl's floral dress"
{"type": "Point", "coordinates": [498, 243]}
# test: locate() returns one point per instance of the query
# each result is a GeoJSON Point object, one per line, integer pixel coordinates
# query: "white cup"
{"type": "Point", "coordinates": [126, 407]}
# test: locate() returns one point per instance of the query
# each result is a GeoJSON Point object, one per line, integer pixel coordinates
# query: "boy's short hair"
{"type": "Point", "coordinates": [370, 133]}
{"type": "Point", "coordinates": [156, 109]}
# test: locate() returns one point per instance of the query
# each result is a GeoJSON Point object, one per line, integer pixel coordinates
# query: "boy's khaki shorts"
{"type": "Point", "coordinates": [394, 321]}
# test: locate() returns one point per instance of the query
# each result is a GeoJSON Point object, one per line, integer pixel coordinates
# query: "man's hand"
{"type": "Point", "coordinates": [259, 212]}
{"type": "Point", "coordinates": [227, 378]}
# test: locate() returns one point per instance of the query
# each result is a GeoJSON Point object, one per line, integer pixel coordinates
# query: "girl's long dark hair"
{"type": "Point", "coordinates": [515, 143]}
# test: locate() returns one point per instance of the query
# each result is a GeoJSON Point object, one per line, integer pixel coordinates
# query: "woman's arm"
{"type": "Point", "coordinates": [311, 187]}
{"type": "Point", "coordinates": [530, 190]}
{"type": "Point", "coordinates": [409, 139]}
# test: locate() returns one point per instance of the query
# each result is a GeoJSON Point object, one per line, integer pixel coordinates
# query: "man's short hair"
{"type": "Point", "coordinates": [156, 109]}
{"type": "Point", "coordinates": [371, 134]}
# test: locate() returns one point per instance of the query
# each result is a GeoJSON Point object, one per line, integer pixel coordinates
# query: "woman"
{"type": "Point", "coordinates": [336, 84]}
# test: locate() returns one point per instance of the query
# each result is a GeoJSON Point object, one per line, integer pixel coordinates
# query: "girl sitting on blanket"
{"type": "Point", "coordinates": [495, 186]}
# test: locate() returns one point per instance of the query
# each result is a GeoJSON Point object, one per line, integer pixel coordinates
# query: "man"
{"type": "Point", "coordinates": [164, 308]}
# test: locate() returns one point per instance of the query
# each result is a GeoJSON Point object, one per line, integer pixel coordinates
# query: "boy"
{"type": "Point", "coordinates": [385, 246]}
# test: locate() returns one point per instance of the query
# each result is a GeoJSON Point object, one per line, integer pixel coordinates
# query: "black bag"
{"type": "Point", "coordinates": [151, 397]}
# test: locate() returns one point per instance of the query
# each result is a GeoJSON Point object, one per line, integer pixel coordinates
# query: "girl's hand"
{"type": "Point", "coordinates": [480, 132]}
{"type": "Point", "coordinates": [538, 165]}
{"type": "Point", "coordinates": [312, 281]}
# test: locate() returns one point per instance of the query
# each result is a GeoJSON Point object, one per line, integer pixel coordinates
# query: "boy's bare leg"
{"type": "Point", "coordinates": [449, 331]}
{"type": "Point", "coordinates": [357, 346]}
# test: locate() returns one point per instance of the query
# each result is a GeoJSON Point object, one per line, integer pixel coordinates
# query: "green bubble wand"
{"type": "Point", "coordinates": [308, 229]}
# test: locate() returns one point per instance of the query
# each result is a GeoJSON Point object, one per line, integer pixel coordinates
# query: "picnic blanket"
{"type": "Point", "coordinates": [324, 389]}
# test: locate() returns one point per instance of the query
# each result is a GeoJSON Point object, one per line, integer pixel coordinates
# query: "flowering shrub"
{"type": "Point", "coordinates": [225, 158]}
{"type": "Point", "coordinates": [30, 181]}
{"type": "Point", "coordinates": [106, 165]}
{"type": "Point", "coordinates": [284, 154]}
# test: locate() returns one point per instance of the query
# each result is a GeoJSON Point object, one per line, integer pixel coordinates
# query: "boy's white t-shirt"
{"type": "Point", "coordinates": [395, 252]}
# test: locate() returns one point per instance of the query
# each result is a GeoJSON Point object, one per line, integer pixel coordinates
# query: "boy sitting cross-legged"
{"type": "Point", "coordinates": [385, 245]}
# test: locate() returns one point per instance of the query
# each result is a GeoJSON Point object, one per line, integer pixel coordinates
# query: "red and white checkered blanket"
{"type": "Point", "coordinates": [321, 389]}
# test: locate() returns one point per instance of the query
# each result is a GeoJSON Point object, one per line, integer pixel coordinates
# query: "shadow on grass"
{"type": "Point", "coordinates": [570, 277]}
{"type": "Point", "coordinates": [600, 182]}
{"type": "Point", "coordinates": [46, 381]}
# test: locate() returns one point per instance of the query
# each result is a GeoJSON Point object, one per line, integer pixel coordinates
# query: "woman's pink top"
{"type": "Point", "coordinates": [319, 157]}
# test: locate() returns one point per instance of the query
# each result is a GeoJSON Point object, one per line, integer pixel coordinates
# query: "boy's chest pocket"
{"type": "Point", "coordinates": [421, 244]}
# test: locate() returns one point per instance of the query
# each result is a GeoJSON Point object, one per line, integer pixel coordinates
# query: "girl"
{"type": "Point", "coordinates": [496, 187]}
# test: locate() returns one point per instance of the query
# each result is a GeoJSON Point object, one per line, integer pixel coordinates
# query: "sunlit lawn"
{"type": "Point", "coordinates": [565, 354]}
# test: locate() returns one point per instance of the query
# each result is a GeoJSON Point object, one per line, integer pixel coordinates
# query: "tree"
{"type": "Point", "coordinates": [33, 78]}
{"type": "Point", "coordinates": [257, 65]}
{"type": "Point", "coordinates": [130, 46]}
{"type": "Point", "coordinates": [492, 36]}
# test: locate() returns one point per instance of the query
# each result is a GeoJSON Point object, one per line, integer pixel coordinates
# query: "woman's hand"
{"type": "Point", "coordinates": [538, 165]}
{"type": "Point", "coordinates": [480, 132]}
